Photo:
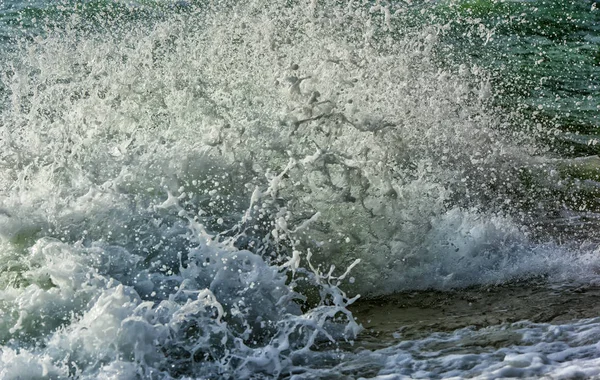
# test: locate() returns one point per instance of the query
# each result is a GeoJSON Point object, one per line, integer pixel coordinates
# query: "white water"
{"type": "Point", "coordinates": [162, 186]}
{"type": "Point", "coordinates": [519, 350]}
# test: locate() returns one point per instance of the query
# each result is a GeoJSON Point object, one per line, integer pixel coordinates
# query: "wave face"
{"type": "Point", "coordinates": [205, 191]}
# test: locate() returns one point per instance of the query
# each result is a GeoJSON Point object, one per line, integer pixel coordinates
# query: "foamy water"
{"type": "Point", "coordinates": [204, 194]}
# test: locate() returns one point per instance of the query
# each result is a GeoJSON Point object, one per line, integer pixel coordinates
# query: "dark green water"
{"type": "Point", "coordinates": [545, 59]}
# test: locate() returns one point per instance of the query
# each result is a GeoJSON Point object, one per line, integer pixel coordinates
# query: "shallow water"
{"type": "Point", "coordinates": [299, 189]}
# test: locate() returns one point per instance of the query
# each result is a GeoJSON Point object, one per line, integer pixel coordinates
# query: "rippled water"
{"type": "Point", "coordinates": [246, 189]}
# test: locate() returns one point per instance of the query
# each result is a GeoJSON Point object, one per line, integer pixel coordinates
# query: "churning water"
{"type": "Point", "coordinates": [207, 189]}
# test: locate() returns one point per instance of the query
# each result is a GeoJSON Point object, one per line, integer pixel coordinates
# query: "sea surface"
{"type": "Point", "coordinates": [299, 189]}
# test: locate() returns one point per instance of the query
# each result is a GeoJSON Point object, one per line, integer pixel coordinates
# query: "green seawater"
{"type": "Point", "coordinates": [545, 59]}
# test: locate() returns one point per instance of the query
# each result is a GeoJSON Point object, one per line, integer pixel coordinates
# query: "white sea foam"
{"type": "Point", "coordinates": [564, 351]}
{"type": "Point", "coordinates": [163, 187]}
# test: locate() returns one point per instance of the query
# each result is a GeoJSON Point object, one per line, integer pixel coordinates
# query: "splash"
{"type": "Point", "coordinates": [207, 193]}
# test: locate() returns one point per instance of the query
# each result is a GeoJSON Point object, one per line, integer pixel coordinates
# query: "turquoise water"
{"type": "Point", "coordinates": [205, 189]}
{"type": "Point", "coordinates": [545, 58]}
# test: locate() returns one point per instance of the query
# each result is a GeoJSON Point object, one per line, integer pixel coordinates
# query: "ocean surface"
{"type": "Point", "coordinates": [299, 189]}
